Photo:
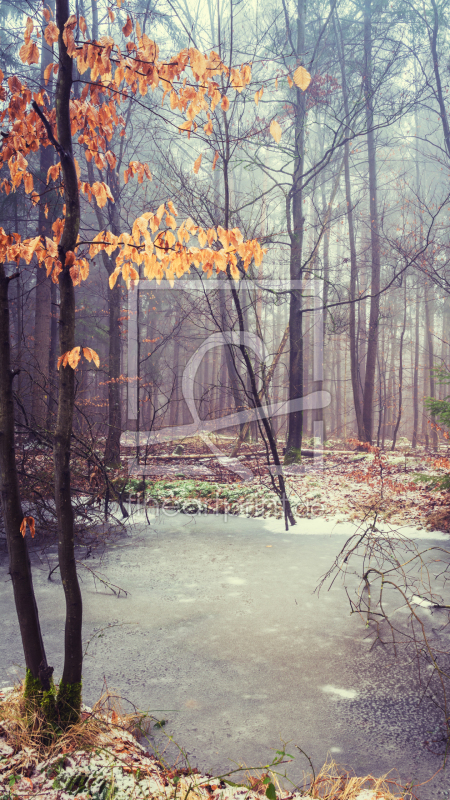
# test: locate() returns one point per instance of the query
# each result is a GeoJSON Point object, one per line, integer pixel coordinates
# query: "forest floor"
{"type": "Point", "coordinates": [344, 483]}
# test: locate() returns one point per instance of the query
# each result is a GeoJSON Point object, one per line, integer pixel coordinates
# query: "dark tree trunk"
{"type": "Point", "coordinates": [19, 562]}
{"type": "Point", "coordinates": [372, 339]}
{"type": "Point", "coordinates": [42, 325]}
{"type": "Point", "coordinates": [295, 229]}
{"type": "Point", "coordinates": [69, 695]}
{"type": "Point", "coordinates": [354, 363]}
{"type": "Point", "coordinates": [400, 376]}
{"type": "Point", "coordinates": [416, 375]}
{"type": "Point", "coordinates": [429, 322]}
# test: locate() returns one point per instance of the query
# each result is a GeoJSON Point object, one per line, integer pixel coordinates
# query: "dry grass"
{"type": "Point", "coordinates": [27, 732]}
{"type": "Point", "coordinates": [335, 783]}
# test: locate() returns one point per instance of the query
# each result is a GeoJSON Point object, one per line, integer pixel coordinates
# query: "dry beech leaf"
{"type": "Point", "coordinates": [302, 78]}
{"type": "Point", "coordinates": [197, 163]}
{"type": "Point", "coordinates": [275, 130]}
{"type": "Point", "coordinates": [23, 527]}
{"type": "Point", "coordinates": [29, 53]}
{"type": "Point", "coordinates": [128, 27]}
{"type": "Point", "coordinates": [51, 33]}
{"type": "Point", "coordinates": [91, 355]}
{"type": "Point", "coordinates": [225, 104]}
{"type": "Point", "coordinates": [215, 160]}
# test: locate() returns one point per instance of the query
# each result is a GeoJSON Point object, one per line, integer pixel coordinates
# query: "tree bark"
{"type": "Point", "coordinates": [400, 375]}
{"type": "Point", "coordinates": [429, 322]}
{"type": "Point", "coordinates": [69, 695]}
{"type": "Point", "coordinates": [19, 561]}
{"type": "Point", "coordinates": [372, 339]}
{"type": "Point", "coordinates": [416, 375]}
{"type": "Point", "coordinates": [42, 325]}
{"type": "Point", "coordinates": [295, 230]}
{"type": "Point", "coordinates": [354, 364]}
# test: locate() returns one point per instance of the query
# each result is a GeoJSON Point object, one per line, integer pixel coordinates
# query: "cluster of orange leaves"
{"type": "Point", "coordinates": [167, 255]}
{"type": "Point", "coordinates": [23, 526]}
{"type": "Point", "coordinates": [13, 248]}
{"type": "Point", "coordinates": [113, 76]}
{"type": "Point", "coordinates": [72, 357]}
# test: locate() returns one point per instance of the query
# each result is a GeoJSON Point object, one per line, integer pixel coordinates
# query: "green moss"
{"type": "Point", "coordinates": [36, 696]}
{"type": "Point", "coordinates": [33, 688]}
{"type": "Point", "coordinates": [293, 456]}
{"type": "Point", "coordinates": [68, 703]}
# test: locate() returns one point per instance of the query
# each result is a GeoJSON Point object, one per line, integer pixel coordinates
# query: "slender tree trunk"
{"type": "Point", "coordinates": [400, 375]}
{"type": "Point", "coordinates": [354, 364]}
{"type": "Point", "coordinates": [429, 322]}
{"type": "Point", "coordinates": [42, 325]}
{"type": "Point", "coordinates": [338, 388]}
{"type": "Point", "coordinates": [19, 561]}
{"type": "Point", "coordinates": [416, 375]}
{"type": "Point", "coordinates": [69, 695]}
{"type": "Point", "coordinates": [372, 341]}
{"type": "Point", "coordinates": [433, 35]}
{"type": "Point", "coordinates": [53, 356]}
{"type": "Point", "coordinates": [295, 229]}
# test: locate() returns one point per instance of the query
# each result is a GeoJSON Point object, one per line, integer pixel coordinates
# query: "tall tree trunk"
{"type": "Point", "coordinates": [429, 322]}
{"type": "Point", "coordinates": [112, 447]}
{"type": "Point", "coordinates": [19, 561]}
{"type": "Point", "coordinates": [400, 375]}
{"type": "Point", "coordinates": [69, 695]}
{"type": "Point", "coordinates": [416, 375]}
{"type": "Point", "coordinates": [42, 325]}
{"type": "Point", "coordinates": [295, 228]}
{"type": "Point", "coordinates": [433, 36]}
{"type": "Point", "coordinates": [372, 340]}
{"type": "Point", "coordinates": [354, 364]}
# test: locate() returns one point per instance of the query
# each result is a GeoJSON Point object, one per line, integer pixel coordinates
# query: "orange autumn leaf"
{"type": "Point", "coordinates": [225, 104]}
{"type": "Point", "coordinates": [302, 78]}
{"type": "Point", "coordinates": [51, 33]}
{"type": "Point", "coordinates": [128, 27]}
{"type": "Point", "coordinates": [71, 358]}
{"type": "Point", "coordinates": [215, 159]}
{"type": "Point", "coordinates": [70, 258]}
{"type": "Point", "coordinates": [113, 277]}
{"type": "Point", "coordinates": [275, 130]}
{"type": "Point", "coordinates": [29, 53]}
{"type": "Point", "coordinates": [23, 527]}
{"type": "Point", "coordinates": [48, 72]}
{"type": "Point", "coordinates": [28, 30]}
{"type": "Point", "coordinates": [197, 163]}
{"type": "Point", "coordinates": [91, 355]}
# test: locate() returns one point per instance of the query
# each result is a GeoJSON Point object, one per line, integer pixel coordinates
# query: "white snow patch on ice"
{"type": "Point", "coordinates": [346, 694]}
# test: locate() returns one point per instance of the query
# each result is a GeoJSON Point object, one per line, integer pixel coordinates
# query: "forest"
{"type": "Point", "coordinates": [225, 290]}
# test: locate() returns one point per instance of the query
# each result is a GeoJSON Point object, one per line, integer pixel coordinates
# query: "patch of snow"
{"type": "Point", "coordinates": [346, 694]}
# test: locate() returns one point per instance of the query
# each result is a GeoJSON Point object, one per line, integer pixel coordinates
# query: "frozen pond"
{"type": "Point", "coordinates": [222, 635]}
